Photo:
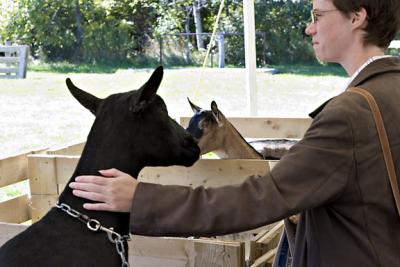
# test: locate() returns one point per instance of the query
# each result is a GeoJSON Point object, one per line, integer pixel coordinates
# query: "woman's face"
{"type": "Point", "coordinates": [331, 32]}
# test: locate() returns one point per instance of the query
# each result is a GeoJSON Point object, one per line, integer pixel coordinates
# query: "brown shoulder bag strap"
{"type": "Point", "coordinates": [387, 154]}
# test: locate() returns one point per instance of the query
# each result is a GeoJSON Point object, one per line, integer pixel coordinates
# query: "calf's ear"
{"type": "Point", "coordinates": [87, 100]}
{"type": "Point", "coordinates": [195, 108]}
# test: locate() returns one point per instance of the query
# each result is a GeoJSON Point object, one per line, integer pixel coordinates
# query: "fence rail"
{"type": "Point", "coordinates": [13, 61]}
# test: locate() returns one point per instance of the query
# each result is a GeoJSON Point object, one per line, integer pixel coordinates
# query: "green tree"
{"type": "Point", "coordinates": [124, 30]}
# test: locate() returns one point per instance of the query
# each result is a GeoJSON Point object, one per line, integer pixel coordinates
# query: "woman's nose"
{"type": "Point", "coordinates": [310, 30]}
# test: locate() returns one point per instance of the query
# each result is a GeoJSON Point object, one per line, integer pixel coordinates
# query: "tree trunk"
{"type": "Point", "coordinates": [187, 38]}
{"type": "Point", "coordinates": [79, 30]}
{"type": "Point", "coordinates": [198, 24]}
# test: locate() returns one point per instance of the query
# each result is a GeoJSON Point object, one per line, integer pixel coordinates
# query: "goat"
{"type": "Point", "coordinates": [216, 133]}
{"type": "Point", "coordinates": [131, 130]}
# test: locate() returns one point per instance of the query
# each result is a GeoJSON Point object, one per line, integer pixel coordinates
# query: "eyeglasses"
{"type": "Point", "coordinates": [315, 14]}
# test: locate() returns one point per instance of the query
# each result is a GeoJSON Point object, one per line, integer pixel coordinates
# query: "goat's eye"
{"type": "Point", "coordinates": [204, 124]}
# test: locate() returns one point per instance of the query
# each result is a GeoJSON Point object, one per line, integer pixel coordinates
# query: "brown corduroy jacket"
{"type": "Point", "coordinates": [335, 177]}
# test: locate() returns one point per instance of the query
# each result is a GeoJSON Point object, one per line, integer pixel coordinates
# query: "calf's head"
{"type": "Point", "coordinates": [135, 127]}
{"type": "Point", "coordinates": [208, 127]}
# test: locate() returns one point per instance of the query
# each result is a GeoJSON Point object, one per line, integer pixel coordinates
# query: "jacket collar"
{"type": "Point", "coordinates": [377, 67]}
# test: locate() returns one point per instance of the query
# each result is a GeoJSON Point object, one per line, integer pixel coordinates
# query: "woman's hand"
{"type": "Point", "coordinates": [114, 191]}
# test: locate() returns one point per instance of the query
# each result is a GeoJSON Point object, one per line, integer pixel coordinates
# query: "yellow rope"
{"type": "Point", "coordinates": [212, 39]}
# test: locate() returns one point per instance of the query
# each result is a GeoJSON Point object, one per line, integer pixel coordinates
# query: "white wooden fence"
{"type": "Point", "coordinates": [13, 61]}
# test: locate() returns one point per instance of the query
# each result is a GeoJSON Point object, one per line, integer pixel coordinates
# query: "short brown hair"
{"type": "Point", "coordinates": [383, 18]}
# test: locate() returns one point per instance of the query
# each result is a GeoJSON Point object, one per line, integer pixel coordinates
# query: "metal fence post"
{"type": "Point", "coordinates": [221, 49]}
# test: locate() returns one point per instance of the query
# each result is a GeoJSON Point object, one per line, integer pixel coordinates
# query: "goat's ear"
{"type": "Point", "coordinates": [195, 108]}
{"type": "Point", "coordinates": [149, 89]}
{"type": "Point", "coordinates": [87, 100]}
{"type": "Point", "coordinates": [216, 112]}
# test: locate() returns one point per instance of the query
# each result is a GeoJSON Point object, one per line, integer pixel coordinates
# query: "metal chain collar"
{"type": "Point", "coordinates": [95, 226]}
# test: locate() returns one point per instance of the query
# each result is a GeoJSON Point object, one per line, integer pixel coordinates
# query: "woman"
{"type": "Point", "coordinates": [335, 177]}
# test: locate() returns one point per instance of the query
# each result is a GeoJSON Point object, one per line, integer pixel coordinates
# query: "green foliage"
{"type": "Point", "coordinates": [280, 25]}
{"type": "Point", "coordinates": [81, 30]}
{"type": "Point", "coordinates": [127, 31]}
{"type": "Point", "coordinates": [284, 23]}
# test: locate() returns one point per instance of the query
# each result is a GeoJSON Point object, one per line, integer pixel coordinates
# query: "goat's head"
{"type": "Point", "coordinates": [136, 126]}
{"type": "Point", "coordinates": [207, 127]}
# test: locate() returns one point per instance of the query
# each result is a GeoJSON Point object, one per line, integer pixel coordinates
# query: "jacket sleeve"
{"type": "Point", "coordinates": [314, 172]}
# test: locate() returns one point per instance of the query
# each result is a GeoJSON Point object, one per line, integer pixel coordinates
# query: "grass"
{"type": "Point", "coordinates": [39, 112]}
{"type": "Point", "coordinates": [66, 67]}
{"type": "Point", "coordinates": [312, 70]}
{"type": "Point", "coordinates": [14, 190]}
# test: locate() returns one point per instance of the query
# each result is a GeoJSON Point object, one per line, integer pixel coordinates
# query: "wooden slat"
{"type": "Point", "coordinates": [42, 174]}
{"type": "Point", "coordinates": [166, 252]}
{"type": "Point", "coordinates": [257, 127]}
{"type": "Point", "coordinates": [65, 166]}
{"type": "Point", "coordinates": [206, 172]}
{"type": "Point", "coordinates": [272, 163]}
{"type": "Point", "coordinates": [13, 169]}
{"type": "Point", "coordinates": [14, 76]}
{"type": "Point", "coordinates": [40, 205]}
{"type": "Point", "coordinates": [8, 231]}
{"type": "Point", "coordinates": [9, 70]}
{"type": "Point", "coordinates": [172, 252]}
{"type": "Point", "coordinates": [276, 230]}
{"type": "Point", "coordinates": [75, 149]}
{"type": "Point", "coordinates": [267, 257]}
{"type": "Point", "coordinates": [15, 210]}
{"type": "Point", "coordinates": [10, 49]}
{"type": "Point", "coordinates": [9, 59]}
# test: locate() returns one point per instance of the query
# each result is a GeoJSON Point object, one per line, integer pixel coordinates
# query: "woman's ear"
{"type": "Point", "coordinates": [359, 19]}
